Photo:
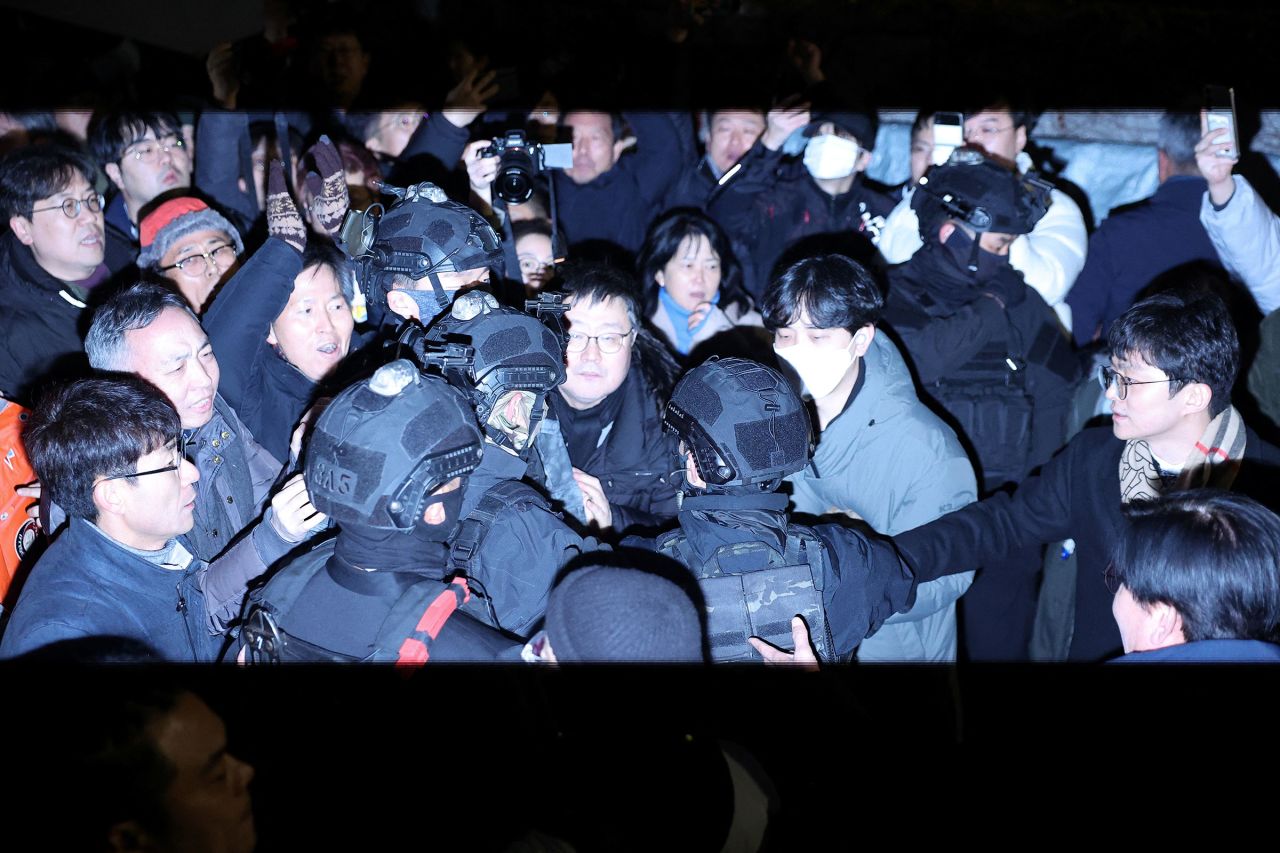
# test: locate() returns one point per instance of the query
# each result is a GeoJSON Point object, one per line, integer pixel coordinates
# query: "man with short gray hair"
{"type": "Point", "coordinates": [151, 331]}
{"type": "Point", "coordinates": [1142, 241]}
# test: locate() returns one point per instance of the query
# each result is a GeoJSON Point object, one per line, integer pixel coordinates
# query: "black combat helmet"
{"type": "Point", "coordinates": [384, 444]}
{"type": "Point", "coordinates": [743, 422]}
{"type": "Point", "coordinates": [423, 233]}
{"type": "Point", "coordinates": [981, 193]}
{"type": "Point", "coordinates": [514, 351]}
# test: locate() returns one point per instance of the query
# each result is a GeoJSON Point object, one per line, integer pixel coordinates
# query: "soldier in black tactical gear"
{"type": "Point", "coordinates": [387, 462]}
{"type": "Point", "coordinates": [509, 544]}
{"type": "Point", "coordinates": [989, 351]}
{"type": "Point", "coordinates": [419, 252]}
{"type": "Point", "coordinates": [742, 429]}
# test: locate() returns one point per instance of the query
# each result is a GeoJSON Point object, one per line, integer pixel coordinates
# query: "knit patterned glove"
{"type": "Point", "coordinates": [328, 187]}
{"type": "Point", "coordinates": [283, 220]}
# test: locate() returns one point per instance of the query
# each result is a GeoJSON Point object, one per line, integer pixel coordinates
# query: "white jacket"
{"type": "Point", "coordinates": [1049, 258]}
{"type": "Point", "coordinates": [1247, 236]}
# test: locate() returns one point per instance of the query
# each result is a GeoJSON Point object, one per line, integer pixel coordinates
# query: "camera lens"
{"type": "Point", "coordinates": [514, 185]}
{"type": "Point", "coordinates": [514, 181]}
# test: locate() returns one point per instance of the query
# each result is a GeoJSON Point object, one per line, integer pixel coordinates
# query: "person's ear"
{"type": "Point", "coordinates": [112, 171]}
{"type": "Point", "coordinates": [1164, 626]}
{"type": "Point", "coordinates": [1196, 397]}
{"type": "Point", "coordinates": [863, 160]}
{"type": "Point", "coordinates": [622, 145]}
{"type": "Point", "coordinates": [271, 335]}
{"type": "Point", "coordinates": [21, 228]}
{"type": "Point", "coordinates": [862, 340]}
{"type": "Point", "coordinates": [945, 231]}
{"type": "Point", "coordinates": [1020, 138]}
{"type": "Point", "coordinates": [108, 497]}
{"type": "Point", "coordinates": [660, 278]}
{"type": "Point", "coordinates": [401, 303]}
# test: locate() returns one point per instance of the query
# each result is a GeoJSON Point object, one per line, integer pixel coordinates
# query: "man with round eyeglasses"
{"type": "Point", "coordinates": [50, 260]}
{"type": "Point", "coordinates": [192, 246]}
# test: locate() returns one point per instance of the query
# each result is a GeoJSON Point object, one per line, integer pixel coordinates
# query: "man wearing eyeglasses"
{"type": "Point", "coordinates": [1052, 255]}
{"type": "Point", "coordinates": [120, 569]}
{"type": "Point", "coordinates": [144, 154]}
{"type": "Point", "coordinates": [1174, 358]}
{"type": "Point", "coordinates": [602, 449]}
{"type": "Point", "coordinates": [50, 259]}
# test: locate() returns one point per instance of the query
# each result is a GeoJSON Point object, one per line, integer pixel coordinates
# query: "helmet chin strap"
{"type": "Point", "coordinates": [442, 297]}
{"type": "Point", "coordinates": [973, 254]}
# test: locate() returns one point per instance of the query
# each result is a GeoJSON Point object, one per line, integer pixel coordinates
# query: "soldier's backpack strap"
{"type": "Point", "coordinates": [673, 544]}
{"type": "Point", "coordinates": [409, 630]}
{"type": "Point", "coordinates": [465, 547]}
{"type": "Point", "coordinates": [260, 634]}
{"type": "Point", "coordinates": [473, 529]}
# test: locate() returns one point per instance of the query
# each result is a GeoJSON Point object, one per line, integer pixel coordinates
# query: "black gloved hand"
{"type": "Point", "coordinates": [1008, 286]}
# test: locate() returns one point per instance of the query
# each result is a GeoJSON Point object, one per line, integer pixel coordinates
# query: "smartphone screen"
{"type": "Point", "coordinates": [948, 135]}
{"type": "Point", "coordinates": [1220, 112]}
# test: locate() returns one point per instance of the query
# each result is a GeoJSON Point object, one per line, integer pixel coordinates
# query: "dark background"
{"type": "Point", "coordinates": [1084, 54]}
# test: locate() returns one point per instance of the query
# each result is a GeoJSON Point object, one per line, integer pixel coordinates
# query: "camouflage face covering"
{"type": "Point", "coordinates": [513, 414]}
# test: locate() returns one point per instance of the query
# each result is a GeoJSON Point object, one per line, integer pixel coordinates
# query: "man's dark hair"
{"type": "Point", "coordinates": [322, 253]}
{"type": "Point", "coordinates": [111, 133]}
{"type": "Point", "coordinates": [528, 227]}
{"type": "Point", "coordinates": [95, 428]}
{"type": "Point", "coordinates": [664, 240]}
{"type": "Point", "coordinates": [1187, 334]}
{"type": "Point", "coordinates": [617, 123]}
{"type": "Point", "coordinates": [994, 101]}
{"type": "Point", "coordinates": [1179, 134]}
{"type": "Point", "coordinates": [1211, 555]}
{"type": "Point", "coordinates": [135, 307]}
{"type": "Point", "coordinates": [922, 118]}
{"type": "Point", "coordinates": [35, 172]}
{"type": "Point", "coordinates": [835, 291]}
{"type": "Point", "coordinates": [597, 282]}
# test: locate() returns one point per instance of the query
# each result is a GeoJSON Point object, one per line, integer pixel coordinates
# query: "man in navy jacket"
{"type": "Point", "coordinates": [108, 451]}
{"type": "Point", "coordinates": [1140, 242]}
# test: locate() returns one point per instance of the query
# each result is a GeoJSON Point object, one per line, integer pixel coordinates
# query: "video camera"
{"type": "Point", "coordinates": [521, 160]}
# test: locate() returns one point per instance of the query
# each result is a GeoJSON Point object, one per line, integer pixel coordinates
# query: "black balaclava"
{"type": "Point", "coordinates": [972, 260]}
{"type": "Point", "coordinates": [423, 550]}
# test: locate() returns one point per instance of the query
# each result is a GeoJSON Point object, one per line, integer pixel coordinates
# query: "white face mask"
{"type": "Point", "coordinates": [829, 157]}
{"type": "Point", "coordinates": [820, 369]}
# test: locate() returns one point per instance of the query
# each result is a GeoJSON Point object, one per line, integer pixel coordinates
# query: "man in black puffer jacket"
{"type": "Point", "coordinates": [50, 260]}
{"type": "Point", "coordinates": [602, 450]}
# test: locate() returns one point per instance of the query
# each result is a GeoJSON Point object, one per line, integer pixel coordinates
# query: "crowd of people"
{"type": "Point", "coordinates": [388, 384]}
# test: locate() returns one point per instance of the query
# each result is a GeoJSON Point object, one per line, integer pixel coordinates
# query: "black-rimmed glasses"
{"type": "Point", "coordinates": [609, 343]}
{"type": "Point", "coordinates": [166, 469]}
{"type": "Point", "coordinates": [1107, 377]}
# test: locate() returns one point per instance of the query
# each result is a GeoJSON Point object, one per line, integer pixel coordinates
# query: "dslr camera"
{"type": "Point", "coordinates": [521, 160]}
